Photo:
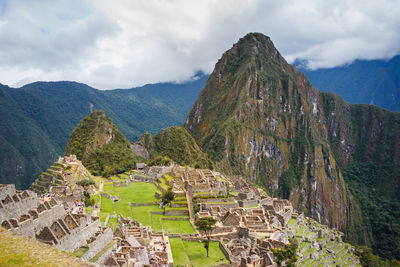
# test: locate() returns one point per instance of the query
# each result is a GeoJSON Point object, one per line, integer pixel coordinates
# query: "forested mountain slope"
{"type": "Point", "coordinates": [37, 119]}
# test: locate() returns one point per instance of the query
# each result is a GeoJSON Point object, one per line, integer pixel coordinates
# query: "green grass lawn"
{"type": "Point", "coordinates": [194, 253]}
{"type": "Point", "coordinates": [180, 227]}
{"type": "Point", "coordinates": [140, 193]}
{"type": "Point", "coordinates": [142, 213]}
{"type": "Point", "coordinates": [88, 210]}
{"type": "Point", "coordinates": [163, 183]}
{"type": "Point", "coordinates": [179, 208]}
{"type": "Point", "coordinates": [291, 222]}
{"type": "Point", "coordinates": [168, 177]}
{"type": "Point", "coordinates": [135, 192]}
{"type": "Point", "coordinates": [177, 227]}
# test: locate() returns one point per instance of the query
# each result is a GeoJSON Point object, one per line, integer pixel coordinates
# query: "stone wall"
{"type": "Point", "coordinates": [103, 258]}
{"type": "Point", "coordinates": [205, 200]}
{"type": "Point", "coordinates": [6, 189]}
{"type": "Point", "coordinates": [13, 204]}
{"type": "Point", "coordinates": [248, 203]}
{"type": "Point", "coordinates": [174, 219]}
{"type": "Point", "coordinates": [176, 212]}
{"type": "Point", "coordinates": [90, 230]}
{"type": "Point", "coordinates": [142, 204]}
{"type": "Point", "coordinates": [226, 251]}
{"type": "Point", "coordinates": [143, 178]}
{"type": "Point", "coordinates": [97, 245]}
{"type": "Point", "coordinates": [45, 218]}
{"type": "Point", "coordinates": [226, 205]}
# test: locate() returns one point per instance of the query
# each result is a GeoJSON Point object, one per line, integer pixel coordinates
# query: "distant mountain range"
{"type": "Point", "coordinates": [374, 82]}
{"type": "Point", "coordinates": [37, 119]}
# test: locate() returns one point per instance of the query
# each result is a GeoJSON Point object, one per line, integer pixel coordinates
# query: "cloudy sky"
{"type": "Point", "coordinates": [127, 43]}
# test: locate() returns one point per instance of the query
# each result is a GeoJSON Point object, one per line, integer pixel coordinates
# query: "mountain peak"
{"type": "Point", "coordinates": [94, 131]}
{"type": "Point", "coordinates": [259, 117]}
{"type": "Point", "coordinates": [255, 44]}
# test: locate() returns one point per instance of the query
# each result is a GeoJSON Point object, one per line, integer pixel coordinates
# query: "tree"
{"type": "Point", "coordinates": [167, 196]}
{"type": "Point", "coordinates": [85, 183]}
{"type": "Point", "coordinates": [287, 254]}
{"type": "Point", "coordinates": [206, 225]}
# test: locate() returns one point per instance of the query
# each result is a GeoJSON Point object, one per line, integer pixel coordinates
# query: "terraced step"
{"type": "Point", "coordinates": [44, 184]}
{"type": "Point", "coordinates": [45, 179]}
{"type": "Point", "coordinates": [59, 164]}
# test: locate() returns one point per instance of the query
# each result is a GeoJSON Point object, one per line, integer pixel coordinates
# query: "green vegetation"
{"type": "Point", "coordinates": [159, 161]}
{"type": "Point", "coordinates": [85, 183]}
{"type": "Point", "coordinates": [326, 144]}
{"type": "Point", "coordinates": [81, 251]}
{"type": "Point", "coordinates": [177, 144]}
{"type": "Point", "coordinates": [18, 250]}
{"type": "Point", "coordinates": [192, 253]}
{"type": "Point", "coordinates": [363, 81]}
{"type": "Point", "coordinates": [367, 258]}
{"type": "Point", "coordinates": [141, 192]}
{"type": "Point", "coordinates": [287, 255]}
{"type": "Point", "coordinates": [206, 225]}
{"type": "Point", "coordinates": [102, 148]}
{"type": "Point", "coordinates": [88, 200]}
{"type": "Point", "coordinates": [98, 255]}
{"type": "Point", "coordinates": [160, 222]}
{"type": "Point", "coordinates": [91, 133]}
{"type": "Point", "coordinates": [111, 159]}
{"type": "Point", "coordinates": [134, 192]}
{"type": "Point", "coordinates": [167, 196]}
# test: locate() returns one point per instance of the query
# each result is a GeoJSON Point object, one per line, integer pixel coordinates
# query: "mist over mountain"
{"type": "Point", "coordinates": [374, 82]}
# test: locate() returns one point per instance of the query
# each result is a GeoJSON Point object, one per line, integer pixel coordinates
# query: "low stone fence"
{"type": "Point", "coordinates": [113, 198]}
{"type": "Point", "coordinates": [226, 251]}
{"type": "Point", "coordinates": [178, 205]}
{"type": "Point", "coordinates": [174, 219]}
{"type": "Point", "coordinates": [225, 229]}
{"type": "Point", "coordinates": [132, 204]}
{"type": "Point", "coordinates": [205, 200]}
{"type": "Point", "coordinates": [185, 236]}
{"type": "Point", "coordinates": [143, 178]}
{"type": "Point", "coordinates": [248, 203]}
{"type": "Point", "coordinates": [227, 205]}
{"type": "Point", "coordinates": [157, 212]}
{"type": "Point", "coordinates": [180, 194]}
{"type": "Point", "coordinates": [120, 184]}
{"type": "Point", "coordinates": [176, 212]}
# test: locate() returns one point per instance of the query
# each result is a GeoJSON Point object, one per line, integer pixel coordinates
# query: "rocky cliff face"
{"type": "Point", "coordinates": [93, 132]}
{"type": "Point", "coordinates": [258, 116]}
{"type": "Point", "coordinates": [366, 143]}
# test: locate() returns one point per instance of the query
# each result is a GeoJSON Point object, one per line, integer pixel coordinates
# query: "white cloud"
{"type": "Point", "coordinates": [120, 44]}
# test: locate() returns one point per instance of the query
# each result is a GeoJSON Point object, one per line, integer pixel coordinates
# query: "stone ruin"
{"type": "Point", "coordinates": [137, 245]}
{"type": "Point", "coordinates": [47, 221]}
